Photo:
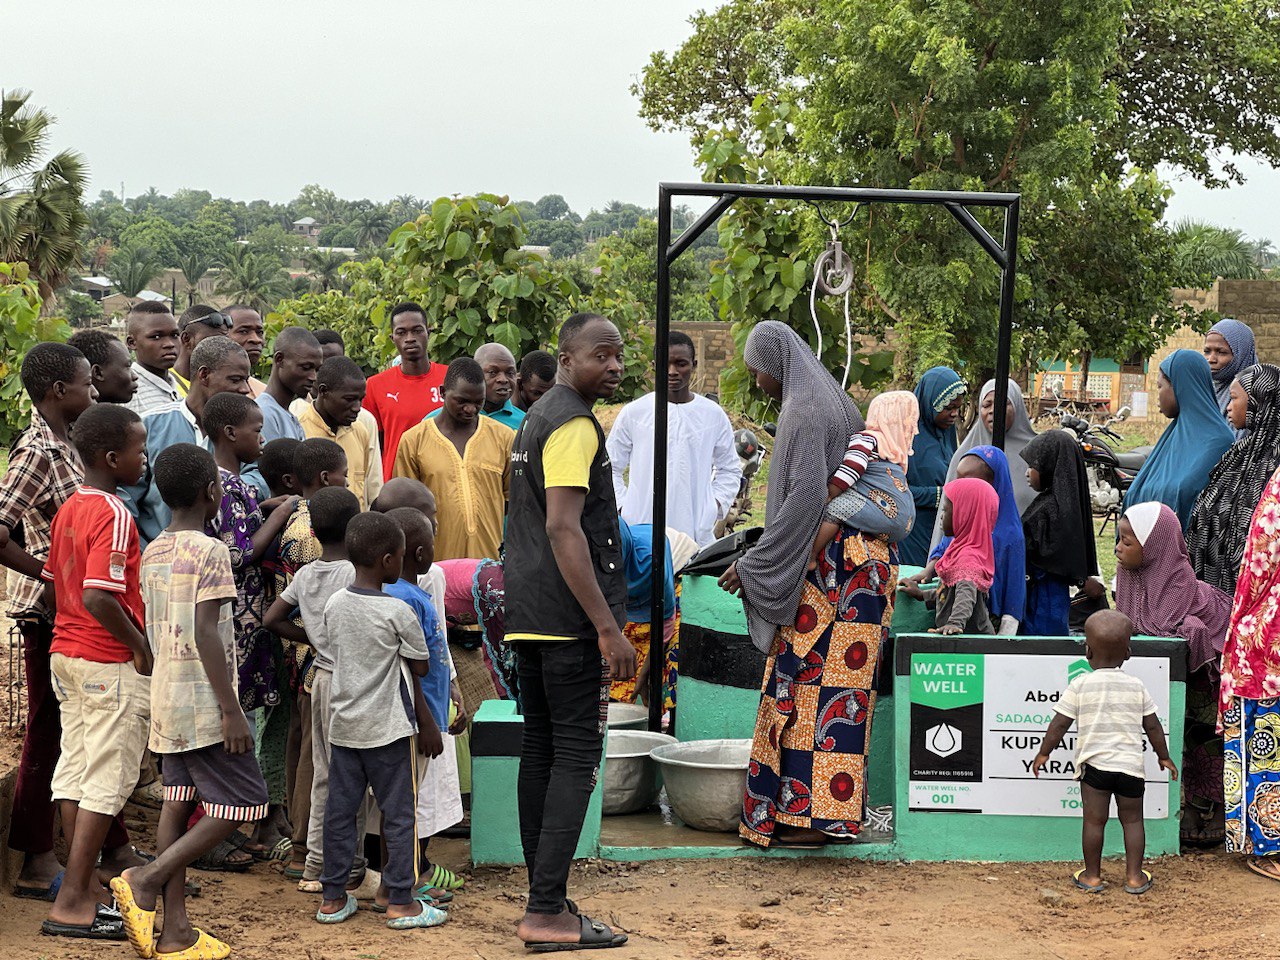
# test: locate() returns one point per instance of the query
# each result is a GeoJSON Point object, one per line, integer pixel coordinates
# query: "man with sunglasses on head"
{"type": "Point", "coordinates": [196, 323]}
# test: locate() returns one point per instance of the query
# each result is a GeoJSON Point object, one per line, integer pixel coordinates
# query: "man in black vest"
{"type": "Point", "coordinates": [565, 596]}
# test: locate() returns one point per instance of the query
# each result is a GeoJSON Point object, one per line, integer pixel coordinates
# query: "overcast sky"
{"type": "Point", "coordinates": [429, 97]}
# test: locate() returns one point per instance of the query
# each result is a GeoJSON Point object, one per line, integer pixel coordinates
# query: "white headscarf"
{"type": "Point", "coordinates": [1142, 517]}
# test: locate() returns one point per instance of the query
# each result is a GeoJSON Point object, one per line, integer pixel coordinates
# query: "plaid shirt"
{"type": "Point", "coordinates": [43, 473]}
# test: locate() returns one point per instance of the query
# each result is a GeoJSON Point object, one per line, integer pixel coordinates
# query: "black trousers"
{"type": "Point", "coordinates": [564, 693]}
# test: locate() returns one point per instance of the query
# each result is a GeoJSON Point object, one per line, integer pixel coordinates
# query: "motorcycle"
{"type": "Point", "coordinates": [751, 453]}
{"type": "Point", "coordinates": [1110, 473]}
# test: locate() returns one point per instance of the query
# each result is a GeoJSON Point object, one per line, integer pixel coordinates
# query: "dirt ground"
{"type": "Point", "coordinates": [1203, 906]}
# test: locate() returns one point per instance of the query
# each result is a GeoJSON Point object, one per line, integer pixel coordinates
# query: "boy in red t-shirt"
{"type": "Point", "coordinates": [401, 397]}
{"type": "Point", "coordinates": [100, 660]}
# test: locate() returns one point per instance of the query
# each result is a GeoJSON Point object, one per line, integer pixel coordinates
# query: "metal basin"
{"type": "Point", "coordinates": [632, 780]}
{"type": "Point", "coordinates": [705, 780]}
{"type": "Point", "coordinates": [628, 716]}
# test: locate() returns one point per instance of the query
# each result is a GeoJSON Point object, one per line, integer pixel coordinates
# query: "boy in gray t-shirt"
{"type": "Point", "coordinates": [375, 711]}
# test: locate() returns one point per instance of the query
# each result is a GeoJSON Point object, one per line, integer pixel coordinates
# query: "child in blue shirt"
{"type": "Point", "coordinates": [419, 555]}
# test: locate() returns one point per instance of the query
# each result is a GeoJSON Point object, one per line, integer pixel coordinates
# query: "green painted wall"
{"type": "Point", "coordinates": [495, 810]}
{"type": "Point", "coordinates": [928, 835]}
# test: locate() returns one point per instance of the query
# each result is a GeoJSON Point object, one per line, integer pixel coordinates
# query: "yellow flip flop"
{"type": "Point", "coordinates": [206, 947]}
{"type": "Point", "coordinates": [139, 924]}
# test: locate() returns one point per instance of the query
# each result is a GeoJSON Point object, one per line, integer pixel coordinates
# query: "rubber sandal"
{"type": "Point", "coordinates": [422, 898]}
{"type": "Point", "coordinates": [445, 879]}
{"type": "Point", "coordinates": [1144, 887]}
{"type": "Point", "coordinates": [281, 851]}
{"type": "Point", "coordinates": [150, 796]}
{"type": "Point", "coordinates": [310, 886]}
{"type": "Point", "coordinates": [435, 894]}
{"type": "Point", "coordinates": [593, 936]}
{"type": "Point", "coordinates": [346, 913]}
{"type": "Point", "coordinates": [428, 916]}
{"type": "Point", "coordinates": [1081, 885]}
{"type": "Point", "coordinates": [139, 924]}
{"type": "Point", "coordinates": [1252, 864]}
{"type": "Point", "coordinates": [218, 860]}
{"type": "Point", "coordinates": [48, 894]}
{"type": "Point", "coordinates": [294, 873]}
{"type": "Point", "coordinates": [107, 925]}
{"type": "Point", "coordinates": [206, 947]}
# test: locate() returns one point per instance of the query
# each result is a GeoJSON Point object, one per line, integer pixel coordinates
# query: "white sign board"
{"type": "Point", "coordinates": [977, 722]}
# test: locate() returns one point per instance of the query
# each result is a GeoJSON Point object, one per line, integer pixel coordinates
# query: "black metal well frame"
{"type": "Point", "coordinates": [956, 202]}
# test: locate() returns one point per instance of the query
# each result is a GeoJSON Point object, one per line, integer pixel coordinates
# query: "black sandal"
{"type": "Point", "coordinates": [218, 860]}
{"type": "Point", "coordinates": [593, 936]}
{"type": "Point", "coordinates": [107, 925]}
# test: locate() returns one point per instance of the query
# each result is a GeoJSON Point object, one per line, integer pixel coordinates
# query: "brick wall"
{"type": "Point", "coordinates": [713, 341]}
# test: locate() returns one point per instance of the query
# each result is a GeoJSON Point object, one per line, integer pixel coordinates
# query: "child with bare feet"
{"type": "Point", "coordinates": [869, 492]}
{"type": "Point", "coordinates": [1111, 710]}
{"type": "Point", "coordinates": [197, 723]}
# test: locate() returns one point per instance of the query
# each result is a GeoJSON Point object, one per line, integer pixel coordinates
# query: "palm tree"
{"type": "Point", "coordinates": [1205, 251]}
{"type": "Point", "coordinates": [325, 267]}
{"type": "Point", "coordinates": [132, 268]}
{"type": "Point", "coordinates": [373, 226]}
{"type": "Point", "coordinates": [194, 266]}
{"type": "Point", "coordinates": [41, 207]}
{"type": "Point", "coordinates": [252, 278]}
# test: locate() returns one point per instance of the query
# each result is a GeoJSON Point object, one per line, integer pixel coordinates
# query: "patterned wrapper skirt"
{"type": "Point", "coordinates": [638, 635]}
{"type": "Point", "coordinates": [809, 756]}
{"type": "Point", "coordinates": [1251, 776]}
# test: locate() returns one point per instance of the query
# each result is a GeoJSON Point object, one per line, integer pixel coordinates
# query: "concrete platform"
{"type": "Point", "coordinates": [659, 835]}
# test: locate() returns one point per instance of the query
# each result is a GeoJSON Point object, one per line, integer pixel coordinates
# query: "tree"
{"type": "Point", "coordinates": [276, 243]}
{"type": "Point", "coordinates": [464, 264]}
{"type": "Point", "coordinates": [157, 235]}
{"type": "Point", "coordinates": [194, 266]}
{"type": "Point", "coordinates": [1205, 252]}
{"type": "Point", "coordinates": [21, 328]}
{"type": "Point", "coordinates": [564, 239]}
{"type": "Point", "coordinates": [42, 213]}
{"type": "Point", "coordinates": [373, 226]}
{"type": "Point", "coordinates": [252, 277]}
{"type": "Point", "coordinates": [132, 268]}
{"type": "Point", "coordinates": [552, 207]}
{"type": "Point", "coordinates": [326, 268]}
{"type": "Point", "coordinates": [930, 94]}
{"type": "Point", "coordinates": [80, 309]}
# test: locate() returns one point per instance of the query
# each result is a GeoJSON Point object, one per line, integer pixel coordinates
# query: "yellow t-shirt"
{"type": "Point", "coordinates": [566, 462]}
{"type": "Point", "coordinates": [568, 452]}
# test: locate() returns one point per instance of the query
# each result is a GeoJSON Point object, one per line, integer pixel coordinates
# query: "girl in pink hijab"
{"type": "Point", "coordinates": [968, 567]}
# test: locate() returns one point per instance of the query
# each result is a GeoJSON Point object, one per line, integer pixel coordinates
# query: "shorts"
{"type": "Point", "coordinates": [228, 785]}
{"type": "Point", "coordinates": [1120, 784]}
{"type": "Point", "coordinates": [106, 716]}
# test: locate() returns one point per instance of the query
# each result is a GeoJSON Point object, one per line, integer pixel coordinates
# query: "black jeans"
{"type": "Point", "coordinates": [564, 693]}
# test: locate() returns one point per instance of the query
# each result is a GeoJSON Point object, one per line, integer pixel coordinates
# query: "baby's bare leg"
{"type": "Point", "coordinates": [826, 533]}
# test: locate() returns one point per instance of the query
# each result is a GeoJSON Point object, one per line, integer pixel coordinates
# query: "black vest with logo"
{"type": "Point", "coordinates": [538, 601]}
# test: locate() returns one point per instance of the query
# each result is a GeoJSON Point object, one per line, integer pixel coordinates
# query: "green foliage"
{"type": "Point", "coordinates": [463, 263]}
{"type": "Point", "coordinates": [21, 328]}
{"type": "Point", "coordinates": [42, 213]}
{"type": "Point", "coordinates": [252, 276]}
{"type": "Point", "coordinates": [1205, 252]}
{"type": "Point", "coordinates": [132, 268]}
{"type": "Point", "coordinates": [155, 234]}
{"type": "Point", "coordinates": [80, 309]}
{"type": "Point", "coordinates": [941, 94]}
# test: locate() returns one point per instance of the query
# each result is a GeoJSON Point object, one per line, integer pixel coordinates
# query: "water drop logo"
{"type": "Point", "coordinates": [943, 740]}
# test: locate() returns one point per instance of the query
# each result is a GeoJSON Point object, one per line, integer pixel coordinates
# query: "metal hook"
{"type": "Point", "coordinates": [834, 225]}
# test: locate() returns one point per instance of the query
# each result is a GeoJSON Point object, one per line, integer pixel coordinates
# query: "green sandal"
{"type": "Point", "coordinates": [444, 879]}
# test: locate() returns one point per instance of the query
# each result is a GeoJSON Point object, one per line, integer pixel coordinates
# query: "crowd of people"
{"type": "Point", "coordinates": [1009, 537]}
{"type": "Point", "coordinates": [271, 608]}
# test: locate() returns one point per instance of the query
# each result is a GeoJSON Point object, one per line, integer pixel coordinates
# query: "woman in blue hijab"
{"type": "Point", "coordinates": [940, 394]}
{"type": "Point", "coordinates": [1178, 468]}
{"type": "Point", "coordinates": [1007, 600]}
{"type": "Point", "coordinates": [1229, 348]}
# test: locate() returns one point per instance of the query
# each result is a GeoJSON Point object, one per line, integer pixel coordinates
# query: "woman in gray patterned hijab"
{"type": "Point", "coordinates": [814, 426]}
{"type": "Point", "coordinates": [822, 628]}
